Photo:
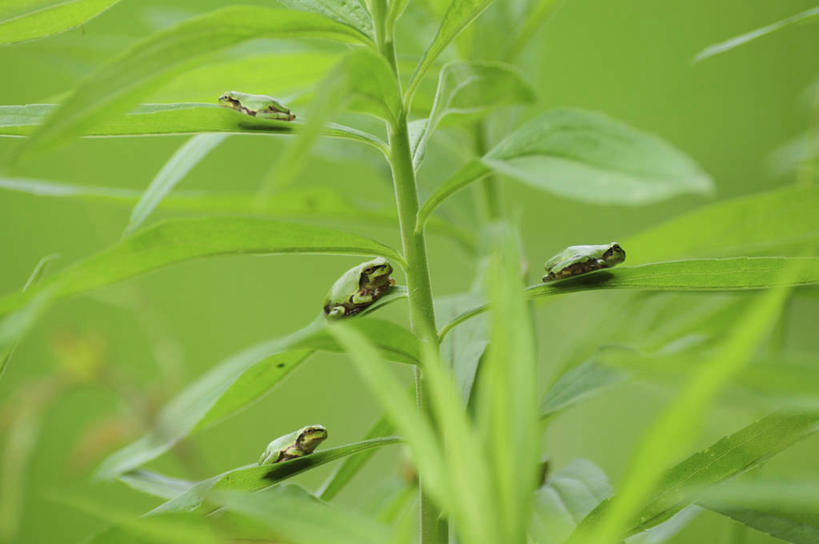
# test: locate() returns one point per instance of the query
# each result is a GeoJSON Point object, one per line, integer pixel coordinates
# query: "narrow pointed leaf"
{"type": "Point", "coordinates": [24, 20]}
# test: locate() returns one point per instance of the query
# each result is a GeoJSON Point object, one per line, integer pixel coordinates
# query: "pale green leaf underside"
{"type": "Point", "coordinates": [119, 86]}
{"type": "Point", "coordinates": [166, 119]}
{"type": "Point", "coordinates": [175, 241]}
{"type": "Point", "coordinates": [255, 477]}
{"type": "Point", "coordinates": [722, 47]}
{"type": "Point", "coordinates": [26, 20]}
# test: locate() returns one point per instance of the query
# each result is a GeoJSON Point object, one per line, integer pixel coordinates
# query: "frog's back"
{"type": "Point", "coordinates": [573, 255]}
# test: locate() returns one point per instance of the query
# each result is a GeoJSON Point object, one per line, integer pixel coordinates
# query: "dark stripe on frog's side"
{"type": "Point", "coordinates": [576, 269]}
{"type": "Point", "coordinates": [236, 105]}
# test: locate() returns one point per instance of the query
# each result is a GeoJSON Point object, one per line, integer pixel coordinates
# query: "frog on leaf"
{"type": "Point", "coordinates": [576, 260]}
{"type": "Point", "coordinates": [358, 288]}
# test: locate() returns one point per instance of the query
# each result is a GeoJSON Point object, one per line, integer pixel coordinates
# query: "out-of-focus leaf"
{"type": "Point", "coordinates": [300, 517]}
{"type": "Point", "coordinates": [175, 241]}
{"type": "Point", "coordinates": [468, 88]}
{"type": "Point", "coordinates": [677, 427]}
{"type": "Point", "coordinates": [667, 529]}
{"type": "Point", "coordinates": [241, 380]}
{"type": "Point", "coordinates": [464, 347]}
{"type": "Point", "coordinates": [590, 157]}
{"type": "Point", "coordinates": [778, 221]}
{"type": "Point", "coordinates": [348, 468]}
{"type": "Point", "coordinates": [507, 392]}
{"type": "Point", "coordinates": [790, 526]}
{"type": "Point", "coordinates": [579, 383]}
{"type": "Point", "coordinates": [716, 49]}
{"type": "Point", "coordinates": [119, 86]}
{"type": "Point", "coordinates": [153, 119]}
{"type": "Point", "coordinates": [23, 20]}
{"type": "Point", "coordinates": [350, 12]}
{"type": "Point", "coordinates": [155, 484]}
{"type": "Point", "coordinates": [458, 16]}
{"type": "Point", "coordinates": [177, 167]}
{"type": "Point", "coordinates": [567, 497]}
{"type": "Point", "coordinates": [730, 456]}
{"type": "Point", "coordinates": [256, 477]}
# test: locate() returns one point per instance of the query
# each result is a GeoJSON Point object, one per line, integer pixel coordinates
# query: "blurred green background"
{"type": "Point", "coordinates": [631, 59]}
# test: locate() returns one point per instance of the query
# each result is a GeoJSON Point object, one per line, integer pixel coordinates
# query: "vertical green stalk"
{"type": "Point", "coordinates": [433, 528]}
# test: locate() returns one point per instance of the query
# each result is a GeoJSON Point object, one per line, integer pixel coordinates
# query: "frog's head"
{"type": "Point", "coordinates": [310, 437]}
{"type": "Point", "coordinates": [614, 254]}
{"type": "Point", "coordinates": [229, 99]}
{"type": "Point", "coordinates": [375, 273]}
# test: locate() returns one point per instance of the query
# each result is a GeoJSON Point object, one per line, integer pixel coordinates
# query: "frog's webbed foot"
{"type": "Point", "coordinates": [335, 313]}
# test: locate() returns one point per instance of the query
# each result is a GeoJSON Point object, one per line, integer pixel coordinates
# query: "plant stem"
{"type": "Point", "coordinates": [433, 528]}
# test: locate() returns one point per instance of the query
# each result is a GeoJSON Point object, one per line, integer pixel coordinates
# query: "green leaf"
{"type": "Point", "coordinates": [349, 12]}
{"type": "Point", "coordinates": [568, 497]}
{"type": "Point", "coordinates": [777, 221]}
{"type": "Point", "coordinates": [590, 157]}
{"type": "Point", "coordinates": [242, 379]}
{"type": "Point", "coordinates": [371, 84]}
{"type": "Point", "coordinates": [300, 517]}
{"type": "Point", "coordinates": [119, 86]}
{"type": "Point", "coordinates": [155, 484]}
{"type": "Point", "coordinates": [255, 477]}
{"type": "Point", "coordinates": [778, 522]}
{"type": "Point", "coordinates": [185, 118]}
{"type": "Point", "coordinates": [23, 20]}
{"type": "Point", "coordinates": [740, 273]}
{"type": "Point", "coordinates": [716, 49]}
{"type": "Point", "coordinates": [471, 171]}
{"type": "Point", "coordinates": [507, 392]}
{"type": "Point", "coordinates": [353, 464]}
{"type": "Point", "coordinates": [177, 167]}
{"type": "Point", "coordinates": [175, 241]}
{"type": "Point", "coordinates": [579, 383]}
{"type": "Point", "coordinates": [463, 348]}
{"type": "Point", "coordinates": [469, 88]}
{"type": "Point", "coordinates": [458, 16]}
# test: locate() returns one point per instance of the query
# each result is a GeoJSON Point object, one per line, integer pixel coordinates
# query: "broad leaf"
{"type": "Point", "coordinates": [185, 158]}
{"type": "Point", "coordinates": [716, 49]}
{"type": "Point", "coordinates": [242, 379]}
{"type": "Point", "coordinates": [468, 88]}
{"type": "Point", "coordinates": [23, 20]}
{"type": "Point", "coordinates": [119, 86]}
{"type": "Point", "coordinates": [781, 523]}
{"type": "Point", "coordinates": [590, 157]}
{"type": "Point", "coordinates": [256, 477]}
{"type": "Point", "coordinates": [176, 241]}
{"type": "Point", "coordinates": [350, 12]}
{"type": "Point", "coordinates": [458, 16]}
{"type": "Point", "coordinates": [780, 221]}
{"type": "Point", "coordinates": [185, 118]}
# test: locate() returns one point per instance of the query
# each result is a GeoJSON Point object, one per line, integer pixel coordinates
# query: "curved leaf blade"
{"type": "Point", "coordinates": [172, 172]}
{"type": "Point", "coordinates": [117, 87]}
{"type": "Point", "coordinates": [27, 24]}
{"type": "Point", "coordinates": [349, 12]}
{"type": "Point", "coordinates": [742, 39]}
{"type": "Point", "coordinates": [780, 221]}
{"type": "Point", "coordinates": [590, 157]}
{"type": "Point", "coordinates": [175, 241]}
{"type": "Point", "coordinates": [256, 477]}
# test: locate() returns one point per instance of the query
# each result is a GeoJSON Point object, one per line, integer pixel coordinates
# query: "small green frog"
{"type": "Point", "coordinates": [359, 287]}
{"type": "Point", "coordinates": [576, 260]}
{"type": "Point", "coordinates": [256, 105]}
{"type": "Point", "coordinates": [295, 444]}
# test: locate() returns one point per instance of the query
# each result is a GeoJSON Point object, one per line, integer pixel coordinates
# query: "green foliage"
{"type": "Point", "coordinates": [712, 308]}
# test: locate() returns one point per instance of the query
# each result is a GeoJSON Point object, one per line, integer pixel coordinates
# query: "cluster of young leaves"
{"type": "Point", "coordinates": [478, 465]}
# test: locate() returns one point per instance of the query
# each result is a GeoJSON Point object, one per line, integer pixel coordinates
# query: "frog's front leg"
{"type": "Point", "coordinates": [362, 297]}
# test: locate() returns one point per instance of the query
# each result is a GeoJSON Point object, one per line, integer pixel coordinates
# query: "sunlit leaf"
{"type": "Point", "coordinates": [716, 49]}
{"type": "Point", "coordinates": [22, 20]}
{"type": "Point", "coordinates": [119, 86]}
{"type": "Point", "coordinates": [185, 158]}
{"type": "Point", "coordinates": [350, 12]}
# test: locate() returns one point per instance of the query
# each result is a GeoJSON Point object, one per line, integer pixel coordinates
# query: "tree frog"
{"type": "Point", "coordinates": [256, 105]}
{"type": "Point", "coordinates": [359, 287]}
{"type": "Point", "coordinates": [295, 444]}
{"type": "Point", "coordinates": [576, 260]}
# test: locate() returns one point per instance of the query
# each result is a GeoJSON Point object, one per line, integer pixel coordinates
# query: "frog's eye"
{"type": "Point", "coordinates": [369, 270]}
